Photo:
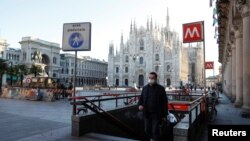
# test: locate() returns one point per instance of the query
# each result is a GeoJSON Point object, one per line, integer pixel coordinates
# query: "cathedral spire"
{"type": "Point", "coordinates": [147, 24]}
{"type": "Point", "coordinates": [167, 20]}
{"type": "Point", "coordinates": [122, 38]}
{"type": "Point", "coordinates": [155, 24]}
{"type": "Point", "coordinates": [134, 25]}
{"type": "Point", "coordinates": [135, 30]}
{"type": "Point", "coordinates": [116, 52]}
{"type": "Point", "coordinates": [151, 24]}
{"type": "Point", "coordinates": [131, 27]}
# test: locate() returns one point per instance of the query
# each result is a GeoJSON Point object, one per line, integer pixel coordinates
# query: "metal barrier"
{"type": "Point", "coordinates": [127, 97]}
{"type": "Point", "coordinates": [178, 104]}
{"type": "Point", "coordinates": [90, 104]}
{"type": "Point", "coordinates": [192, 108]}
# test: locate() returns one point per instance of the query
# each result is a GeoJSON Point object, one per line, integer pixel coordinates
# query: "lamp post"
{"type": "Point", "coordinates": [11, 72]}
{"type": "Point", "coordinates": [107, 80]}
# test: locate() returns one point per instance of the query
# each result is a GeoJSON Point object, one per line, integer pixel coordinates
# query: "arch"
{"type": "Point", "coordinates": [45, 59]}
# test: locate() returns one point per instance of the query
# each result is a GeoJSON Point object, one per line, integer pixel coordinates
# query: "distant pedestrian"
{"type": "Point", "coordinates": [208, 88]}
{"type": "Point", "coordinates": [153, 103]}
{"type": "Point", "coordinates": [195, 88]}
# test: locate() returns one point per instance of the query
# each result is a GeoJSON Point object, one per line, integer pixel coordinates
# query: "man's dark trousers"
{"type": "Point", "coordinates": [151, 123]}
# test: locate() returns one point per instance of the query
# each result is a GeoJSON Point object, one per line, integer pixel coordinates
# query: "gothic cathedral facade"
{"type": "Point", "coordinates": [150, 48]}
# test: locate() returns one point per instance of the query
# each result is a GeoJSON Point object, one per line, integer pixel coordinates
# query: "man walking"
{"type": "Point", "coordinates": [153, 103]}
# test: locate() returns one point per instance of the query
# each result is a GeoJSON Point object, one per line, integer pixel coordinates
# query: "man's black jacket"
{"type": "Point", "coordinates": [161, 108]}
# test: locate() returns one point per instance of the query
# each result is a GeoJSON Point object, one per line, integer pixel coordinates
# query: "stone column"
{"type": "Point", "coordinates": [233, 58]}
{"type": "Point", "coordinates": [229, 77]}
{"type": "Point", "coordinates": [239, 75]}
{"type": "Point", "coordinates": [246, 63]}
{"type": "Point", "coordinates": [224, 76]}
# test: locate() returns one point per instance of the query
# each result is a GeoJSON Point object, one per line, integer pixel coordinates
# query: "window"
{"type": "Point", "coordinates": [54, 60]}
{"type": "Point", "coordinates": [126, 69]}
{"type": "Point", "coordinates": [168, 68]}
{"type": "Point", "coordinates": [141, 44]}
{"type": "Point", "coordinates": [62, 71]}
{"type": "Point", "coordinates": [72, 71]}
{"type": "Point", "coordinates": [126, 59]}
{"type": "Point", "coordinates": [156, 68]}
{"type": "Point", "coordinates": [157, 58]}
{"type": "Point", "coordinates": [117, 70]}
{"type": "Point", "coordinates": [141, 60]}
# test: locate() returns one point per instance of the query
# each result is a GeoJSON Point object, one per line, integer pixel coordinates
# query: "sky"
{"type": "Point", "coordinates": [44, 19]}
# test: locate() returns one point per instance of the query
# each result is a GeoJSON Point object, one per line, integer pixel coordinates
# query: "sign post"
{"type": "Point", "coordinates": [76, 37]}
{"type": "Point", "coordinates": [194, 32]}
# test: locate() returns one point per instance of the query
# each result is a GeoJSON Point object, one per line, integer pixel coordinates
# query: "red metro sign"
{"type": "Point", "coordinates": [193, 32]}
{"type": "Point", "coordinates": [209, 65]}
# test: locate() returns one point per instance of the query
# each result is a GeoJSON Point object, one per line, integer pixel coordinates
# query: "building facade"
{"type": "Point", "coordinates": [148, 49]}
{"type": "Point", "coordinates": [90, 71]}
{"type": "Point", "coordinates": [195, 63]}
{"type": "Point", "coordinates": [12, 55]}
{"type": "Point", "coordinates": [233, 42]}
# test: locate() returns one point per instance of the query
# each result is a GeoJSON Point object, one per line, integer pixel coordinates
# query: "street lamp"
{"type": "Point", "coordinates": [106, 80]}
{"type": "Point", "coordinates": [11, 72]}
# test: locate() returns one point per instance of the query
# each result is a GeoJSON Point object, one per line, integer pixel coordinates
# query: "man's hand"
{"type": "Point", "coordinates": [141, 107]}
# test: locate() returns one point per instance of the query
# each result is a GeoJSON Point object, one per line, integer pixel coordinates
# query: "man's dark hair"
{"type": "Point", "coordinates": [153, 73]}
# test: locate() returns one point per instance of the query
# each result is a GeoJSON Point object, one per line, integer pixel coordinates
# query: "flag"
{"type": "Point", "coordinates": [211, 3]}
{"type": "Point", "coordinates": [215, 19]}
{"type": "Point", "coordinates": [215, 32]}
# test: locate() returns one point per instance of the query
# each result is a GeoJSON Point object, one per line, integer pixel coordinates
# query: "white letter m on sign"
{"type": "Point", "coordinates": [209, 65]}
{"type": "Point", "coordinates": [191, 34]}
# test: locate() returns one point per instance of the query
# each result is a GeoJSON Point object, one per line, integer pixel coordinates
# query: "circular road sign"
{"type": "Point", "coordinates": [75, 40]}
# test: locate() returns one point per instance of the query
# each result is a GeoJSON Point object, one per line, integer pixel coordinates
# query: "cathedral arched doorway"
{"type": "Point", "coordinates": [117, 82]}
{"type": "Point", "coordinates": [141, 80]}
{"type": "Point", "coordinates": [168, 82]}
{"type": "Point", "coordinates": [126, 82]}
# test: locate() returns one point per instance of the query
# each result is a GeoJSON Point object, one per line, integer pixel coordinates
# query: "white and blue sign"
{"type": "Point", "coordinates": [75, 40]}
{"type": "Point", "coordinates": [76, 37]}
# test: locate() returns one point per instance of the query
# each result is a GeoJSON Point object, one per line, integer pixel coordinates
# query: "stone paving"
{"type": "Point", "coordinates": [227, 114]}
{"type": "Point", "coordinates": [24, 120]}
